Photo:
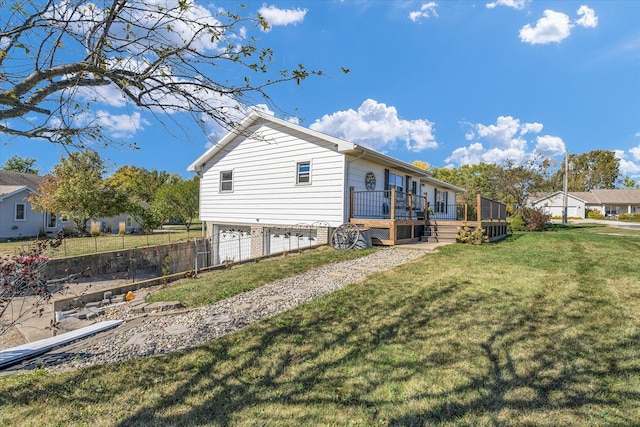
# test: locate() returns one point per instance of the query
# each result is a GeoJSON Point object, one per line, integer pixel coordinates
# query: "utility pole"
{"type": "Point", "coordinates": [565, 198]}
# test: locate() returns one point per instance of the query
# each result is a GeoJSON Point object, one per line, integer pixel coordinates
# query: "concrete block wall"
{"type": "Point", "coordinates": [142, 261]}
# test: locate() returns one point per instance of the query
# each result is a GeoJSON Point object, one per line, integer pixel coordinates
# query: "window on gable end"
{"type": "Point", "coordinates": [303, 173]}
{"type": "Point", "coordinates": [226, 181]}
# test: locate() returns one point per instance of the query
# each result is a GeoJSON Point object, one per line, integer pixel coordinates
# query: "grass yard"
{"type": "Point", "coordinates": [540, 329]}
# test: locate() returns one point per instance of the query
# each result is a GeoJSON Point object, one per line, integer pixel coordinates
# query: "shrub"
{"type": "Point", "coordinates": [623, 216]}
{"type": "Point", "coordinates": [517, 223]}
{"type": "Point", "coordinates": [536, 220]}
{"type": "Point", "coordinates": [95, 228]}
{"type": "Point", "coordinates": [476, 236]}
{"type": "Point", "coordinates": [594, 214]}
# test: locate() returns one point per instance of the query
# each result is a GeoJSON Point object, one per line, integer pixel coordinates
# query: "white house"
{"type": "Point", "coordinates": [271, 174]}
{"type": "Point", "coordinates": [608, 202]}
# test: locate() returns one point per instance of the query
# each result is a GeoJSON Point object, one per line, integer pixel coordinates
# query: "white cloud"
{"type": "Point", "coordinates": [588, 17]}
{"type": "Point", "coordinates": [281, 17]}
{"type": "Point", "coordinates": [635, 152]}
{"type": "Point", "coordinates": [514, 4]}
{"type": "Point", "coordinates": [427, 10]}
{"type": "Point", "coordinates": [121, 125]}
{"type": "Point", "coordinates": [377, 126]}
{"type": "Point", "coordinates": [550, 146]}
{"type": "Point", "coordinates": [471, 155]}
{"type": "Point", "coordinates": [553, 27]}
{"type": "Point", "coordinates": [628, 167]}
{"type": "Point", "coordinates": [504, 140]}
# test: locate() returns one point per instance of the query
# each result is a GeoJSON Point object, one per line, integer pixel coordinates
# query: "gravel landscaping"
{"type": "Point", "coordinates": [164, 333]}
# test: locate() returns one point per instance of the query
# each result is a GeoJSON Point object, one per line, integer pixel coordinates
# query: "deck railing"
{"type": "Point", "coordinates": [389, 204]}
{"type": "Point", "coordinates": [397, 205]}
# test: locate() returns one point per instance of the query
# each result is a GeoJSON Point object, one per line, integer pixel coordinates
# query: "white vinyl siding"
{"type": "Point", "coordinates": [264, 180]}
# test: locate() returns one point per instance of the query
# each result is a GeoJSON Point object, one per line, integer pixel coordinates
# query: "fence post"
{"type": "Point", "coordinates": [64, 244]}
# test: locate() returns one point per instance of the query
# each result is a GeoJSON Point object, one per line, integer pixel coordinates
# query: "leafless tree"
{"type": "Point", "coordinates": [59, 58]}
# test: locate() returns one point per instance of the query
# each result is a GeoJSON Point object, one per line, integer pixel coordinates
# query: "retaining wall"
{"type": "Point", "coordinates": [140, 262]}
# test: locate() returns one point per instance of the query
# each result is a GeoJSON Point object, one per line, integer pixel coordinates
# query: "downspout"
{"type": "Point", "coordinates": [346, 180]}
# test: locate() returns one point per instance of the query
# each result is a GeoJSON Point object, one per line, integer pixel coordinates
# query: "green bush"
{"type": "Point", "coordinates": [517, 223]}
{"type": "Point", "coordinates": [476, 236]}
{"type": "Point", "coordinates": [594, 214]}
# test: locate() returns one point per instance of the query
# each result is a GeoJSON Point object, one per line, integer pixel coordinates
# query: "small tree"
{"type": "Point", "coordinates": [180, 200]}
{"type": "Point", "coordinates": [77, 190]}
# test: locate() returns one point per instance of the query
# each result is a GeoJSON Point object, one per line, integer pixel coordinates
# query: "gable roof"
{"type": "Point", "coordinates": [617, 196]}
{"type": "Point", "coordinates": [9, 190]}
{"type": "Point", "coordinates": [17, 178]}
{"type": "Point", "coordinates": [614, 196]}
{"type": "Point", "coordinates": [342, 146]}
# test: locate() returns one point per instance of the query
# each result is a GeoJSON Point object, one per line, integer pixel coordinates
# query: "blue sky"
{"type": "Point", "coordinates": [444, 82]}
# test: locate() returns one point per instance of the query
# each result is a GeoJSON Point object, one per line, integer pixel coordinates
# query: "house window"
{"type": "Point", "coordinates": [128, 223]}
{"type": "Point", "coordinates": [442, 200]}
{"type": "Point", "coordinates": [51, 220]}
{"type": "Point", "coordinates": [21, 212]}
{"type": "Point", "coordinates": [303, 175]}
{"type": "Point", "coordinates": [611, 210]}
{"type": "Point", "coordinates": [226, 181]}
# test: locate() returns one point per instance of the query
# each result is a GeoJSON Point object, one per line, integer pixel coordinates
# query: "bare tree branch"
{"type": "Point", "coordinates": [181, 56]}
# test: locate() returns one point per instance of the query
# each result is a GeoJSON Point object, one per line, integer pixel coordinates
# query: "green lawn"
{"type": "Point", "coordinates": [540, 329]}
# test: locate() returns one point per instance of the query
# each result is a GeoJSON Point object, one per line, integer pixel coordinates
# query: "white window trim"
{"type": "Point", "coordinates": [298, 172]}
{"type": "Point", "coordinates": [24, 212]}
{"type": "Point", "coordinates": [233, 174]}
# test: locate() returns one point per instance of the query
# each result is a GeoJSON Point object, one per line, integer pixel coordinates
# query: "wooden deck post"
{"type": "Point", "coordinates": [425, 207]}
{"type": "Point", "coordinates": [466, 211]}
{"type": "Point", "coordinates": [479, 205]}
{"type": "Point", "coordinates": [392, 214]}
{"type": "Point", "coordinates": [351, 202]}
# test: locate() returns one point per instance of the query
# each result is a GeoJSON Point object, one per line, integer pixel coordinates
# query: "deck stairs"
{"type": "Point", "coordinates": [434, 232]}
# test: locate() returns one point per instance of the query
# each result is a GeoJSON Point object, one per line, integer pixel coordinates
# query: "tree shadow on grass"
{"type": "Point", "coordinates": [369, 353]}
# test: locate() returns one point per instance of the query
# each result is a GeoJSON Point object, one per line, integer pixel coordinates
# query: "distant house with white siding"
{"type": "Point", "coordinates": [271, 174]}
{"type": "Point", "coordinates": [608, 202]}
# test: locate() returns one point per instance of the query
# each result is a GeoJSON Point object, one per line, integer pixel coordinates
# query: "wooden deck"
{"type": "Point", "coordinates": [399, 220]}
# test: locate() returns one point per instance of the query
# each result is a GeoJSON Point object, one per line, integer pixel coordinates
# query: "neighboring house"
{"type": "Point", "coordinates": [17, 218]}
{"type": "Point", "coordinates": [271, 174]}
{"type": "Point", "coordinates": [608, 202]}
